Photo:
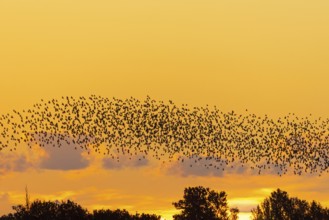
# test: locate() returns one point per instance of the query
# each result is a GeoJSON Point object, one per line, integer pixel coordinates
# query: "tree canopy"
{"type": "Point", "coordinates": [198, 203]}
{"type": "Point", "coordinates": [279, 206]}
{"type": "Point", "coordinates": [68, 210]}
{"type": "Point", "coordinates": [202, 203]}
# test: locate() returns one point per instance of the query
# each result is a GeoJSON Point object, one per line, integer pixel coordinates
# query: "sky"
{"type": "Point", "coordinates": [270, 57]}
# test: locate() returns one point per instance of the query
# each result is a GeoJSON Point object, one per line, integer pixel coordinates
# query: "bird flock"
{"type": "Point", "coordinates": [170, 132]}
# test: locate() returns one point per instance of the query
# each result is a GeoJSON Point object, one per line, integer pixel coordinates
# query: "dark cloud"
{"type": "Point", "coordinates": [53, 158]}
{"type": "Point", "coordinates": [195, 167]}
{"type": "Point", "coordinates": [61, 154]}
{"type": "Point", "coordinates": [201, 166]}
{"type": "Point", "coordinates": [11, 162]}
{"type": "Point", "coordinates": [121, 162]}
{"type": "Point", "coordinates": [64, 158]}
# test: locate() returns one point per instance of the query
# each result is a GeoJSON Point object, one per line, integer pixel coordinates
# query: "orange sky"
{"type": "Point", "coordinates": [270, 57]}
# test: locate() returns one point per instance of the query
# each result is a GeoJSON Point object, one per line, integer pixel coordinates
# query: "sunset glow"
{"type": "Point", "coordinates": [269, 57]}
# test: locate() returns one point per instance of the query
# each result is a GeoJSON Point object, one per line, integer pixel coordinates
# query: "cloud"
{"type": "Point", "coordinates": [48, 157]}
{"type": "Point", "coordinates": [185, 169]}
{"type": "Point", "coordinates": [124, 161]}
{"type": "Point", "coordinates": [203, 166]}
{"type": "Point", "coordinates": [13, 162]}
{"type": "Point", "coordinates": [61, 154]}
{"type": "Point", "coordinates": [64, 158]}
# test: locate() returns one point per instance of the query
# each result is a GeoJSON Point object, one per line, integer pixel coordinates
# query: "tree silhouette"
{"type": "Point", "coordinates": [299, 209]}
{"type": "Point", "coordinates": [43, 210]}
{"type": "Point", "coordinates": [68, 210]}
{"type": "Point", "coordinates": [122, 215]}
{"type": "Point", "coordinates": [21, 213]}
{"type": "Point", "coordinates": [144, 216]}
{"type": "Point", "coordinates": [71, 211]}
{"type": "Point", "coordinates": [279, 206]}
{"type": "Point", "coordinates": [47, 210]}
{"type": "Point", "coordinates": [202, 203]}
{"type": "Point", "coordinates": [234, 213]}
{"type": "Point", "coordinates": [7, 217]}
{"type": "Point", "coordinates": [317, 212]}
{"type": "Point", "coordinates": [111, 214]}
{"type": "Point", "coordinates": [198, 203]}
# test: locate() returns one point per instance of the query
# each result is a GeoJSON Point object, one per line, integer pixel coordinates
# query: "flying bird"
{"type": "Point", "coordinates": [165, 131]}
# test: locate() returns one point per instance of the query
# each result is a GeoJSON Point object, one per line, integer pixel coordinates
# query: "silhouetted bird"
{"type": "Point", "coordinates": [163, 130]}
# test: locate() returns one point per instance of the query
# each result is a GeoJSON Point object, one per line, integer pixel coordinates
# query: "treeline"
{"type": "Point", "coordinates": [280, 206]}
{"type": "Point", "coordinates": [198, 203]}
{"type": "Point", "coordinates": [69, 210]}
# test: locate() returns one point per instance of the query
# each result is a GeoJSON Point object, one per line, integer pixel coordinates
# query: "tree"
{"type": "Point", "coordinates": [122, 215]}
{"type": "Point", "coordinates": [202, 203]}
{"type": "Point", "coordinates": [110, 214]}
{"type": "Point", "coordinates": [143, 216]}
{"type": "Point", "coordinates": [21, 213]}
{"type": "Point", "coordinates": [279, 206]}
{"type": "Point", "coordinates": [7, 217]}
{"type": "Point", "coordinates": [317, 212]}
{"type": "Point", "coordinates": [71, 211]}
{"type": "Point", "coordinates": [43, 210]}
{"type": "Point", "coordinates": [258, 213]}
{"type": "Point", "coordinates": [234, 213]}
{"type": "Point", "coordinates": [299, 209]}
{"type": "Point", "coordinates": [40, 210]}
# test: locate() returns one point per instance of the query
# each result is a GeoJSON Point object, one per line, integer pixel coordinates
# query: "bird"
{"type": "Point", "coordinates": [166, 131]}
